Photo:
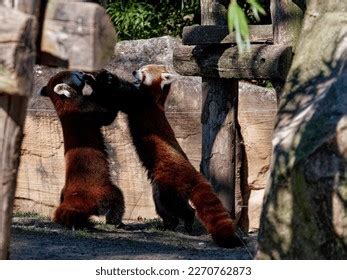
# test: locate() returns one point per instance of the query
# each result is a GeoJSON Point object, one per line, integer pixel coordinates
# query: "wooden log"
{"type": "Point", "coordinates": [17, 56]}
{"type": "Point", "coordinates": [17, 51]}
{"type": "Point", "coordinates": [31, 7]}
{"type": "Point", "coordinates": [286, 32]}
{"type": "Point", "coordinates": [213, 12]}
{"type": "Point", "coordinates": [218, 147]}
{"type": "Point", "coordinates": [263, 62]}
{"type": "Point", "coordinates": [219, 34]}
{"type": "Point", "coordinates": [83, 40]}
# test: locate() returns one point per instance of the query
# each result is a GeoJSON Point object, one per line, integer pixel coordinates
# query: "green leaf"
{"type": "Point", "coordinates": [256, 9]}
{"type": "Point", "coordinates": [237, 20]}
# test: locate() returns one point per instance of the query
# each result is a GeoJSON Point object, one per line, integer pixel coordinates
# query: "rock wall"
{"type": "Point", "coordinates": [41, 173]}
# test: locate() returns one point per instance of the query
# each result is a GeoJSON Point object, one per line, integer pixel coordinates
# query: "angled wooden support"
{"type": "Point", "coordinates": [17, 56]}
{"type": "Point", "coordinates": [222, 61]}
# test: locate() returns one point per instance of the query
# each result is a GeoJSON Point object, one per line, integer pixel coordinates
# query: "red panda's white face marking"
{"type": "Point", "coordinates": [152, 74]}
{"type": "Point", "coordinates": [64, 89]}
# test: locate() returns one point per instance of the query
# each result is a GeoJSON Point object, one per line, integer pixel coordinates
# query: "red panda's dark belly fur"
{"type": "Point", "coordinates": [88, 187]}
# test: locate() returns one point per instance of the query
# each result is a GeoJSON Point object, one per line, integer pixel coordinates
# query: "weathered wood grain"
{"type": "Point", "coordinates": [263, 61]}
{"type": "Point", "coordinates": [219, 34]}
{"type": "Point", "coordinates": [219, 117]}
{"type": "Point", "coordinates": [83, 40]}
{"type": "Point", "coordinates": [286, 32]}
{"type": "Point", "coordinates": [17, 51]}
{"type": "Point", "coordinates": [213, 12]}
{"type": "Point", "coordinates": [12, 114]}
{"type": "Point", "coordinates": [17, 56]}
{"type": "Point", "coordinates": [31, 7]}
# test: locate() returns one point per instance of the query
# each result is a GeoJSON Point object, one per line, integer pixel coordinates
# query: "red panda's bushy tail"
{"type": "Point", "coordinates": [213, 215]}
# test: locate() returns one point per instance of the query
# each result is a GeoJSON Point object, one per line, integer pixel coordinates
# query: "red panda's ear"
{"type": "Point", "coordinates": [87, 90]}
{"type": "Point", "coordinates": [64, 89]}
{"type": "Point", "coordinates": [167, 78]}
{"type": "Point", "coordinates": [43, 91]}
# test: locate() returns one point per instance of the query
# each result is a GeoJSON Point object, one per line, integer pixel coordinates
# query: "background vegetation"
{"type": "Point", "coordinates": [142, 19]}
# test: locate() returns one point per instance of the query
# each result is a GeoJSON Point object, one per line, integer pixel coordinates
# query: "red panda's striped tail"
{"type": "Point", "coordinates": [214, 216]}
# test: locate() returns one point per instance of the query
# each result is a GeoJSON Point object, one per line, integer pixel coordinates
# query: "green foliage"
{"type": "Point", "coordinates": [238, 21]}
{"type": "Point", "coordinates": [149, 18]}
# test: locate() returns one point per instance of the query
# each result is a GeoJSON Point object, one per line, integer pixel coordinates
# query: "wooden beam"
{"type": "Point", "coordinates": [31, 7]}
{"type": "Point", "coordinates": [213, 12]}
{"type": "Point", "coordinates": [263, 62]}
{"type": "Point", "coordinates": [83, 40]}
{"type": "Point", "coordinates": [219, 34]}
{"type": "Point", "coordinates": [17, 51]}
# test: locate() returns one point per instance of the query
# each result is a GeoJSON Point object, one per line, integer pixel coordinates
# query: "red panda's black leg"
{"type": "Point", "coordinates": [170, 222]}
{"type": "Point", "coordinates": [189, 220]}
{"type": "Point", "coordinates": [116, 207]}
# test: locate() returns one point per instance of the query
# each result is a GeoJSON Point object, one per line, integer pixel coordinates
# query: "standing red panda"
{"type": "Point", "coordinates": [174, 179]}
{"type": "Point", "coordinates": [88, 187]}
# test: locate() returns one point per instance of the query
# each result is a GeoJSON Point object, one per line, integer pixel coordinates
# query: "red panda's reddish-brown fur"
{"type": "Point", "coordinates": [168, 167]}
{"type": "Point", "coordinates": [88, 187]}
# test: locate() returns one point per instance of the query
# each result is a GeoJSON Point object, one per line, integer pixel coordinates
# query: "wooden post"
{"type": "Point", "coordinates": [219, 125]}
{"type": "Point", "coordinates": [287, 22]}
{"type": "Point", "coordinates": [17, 56]}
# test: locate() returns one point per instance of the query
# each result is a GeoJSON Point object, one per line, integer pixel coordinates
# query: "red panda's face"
{"type": "Point", "coordinates": [67, 84]}
{"type": "Point", "coordinates": [153, 76]}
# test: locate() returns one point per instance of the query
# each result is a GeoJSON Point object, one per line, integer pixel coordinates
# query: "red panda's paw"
{"type": "Point", "coordinates": [71, 217]}
{"type": "Point", "coordinates": [224, 235]}
{"type": "Point", "coordinates": [170, 223]}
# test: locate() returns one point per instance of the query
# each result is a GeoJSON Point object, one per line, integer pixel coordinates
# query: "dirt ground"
{"type": "Point", "coordinates": [40, 239]}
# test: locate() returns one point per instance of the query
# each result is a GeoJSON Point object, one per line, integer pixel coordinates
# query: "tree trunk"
{"type": "Point", "coordinates": [304, 213]}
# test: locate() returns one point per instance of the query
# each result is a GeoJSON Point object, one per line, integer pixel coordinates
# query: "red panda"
{"type": "Point", "coordinates": [88, 187]}
{"type": "Point", "coordinates": [164, 200]}
{"type": "Point", "coordinates": [175, 181]}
